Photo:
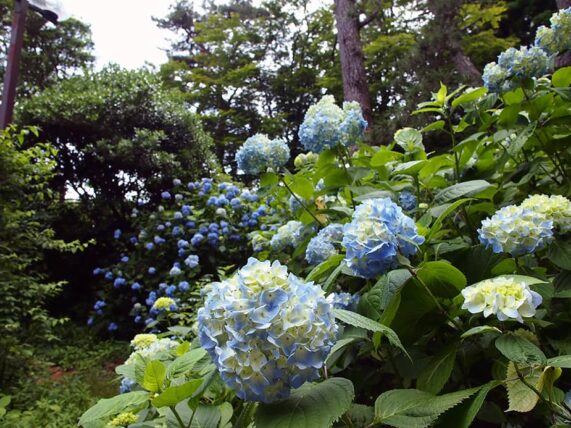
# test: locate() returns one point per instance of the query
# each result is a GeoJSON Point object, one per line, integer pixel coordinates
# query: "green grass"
{"type": "Point", "coordinates": [64, 380]}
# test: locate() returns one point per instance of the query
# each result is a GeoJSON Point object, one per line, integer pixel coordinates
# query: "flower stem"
{"type": "Point", "coordinates": [301, 203]}
{"type": "Point", "coordinates": [178, 418]}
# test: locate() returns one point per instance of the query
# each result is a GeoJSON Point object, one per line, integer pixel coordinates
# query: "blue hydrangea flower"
{"type": "Point", "coordinates": [325, 125]}
{"type": "Point", "coordinates": [345, 301]}
{"type": "Point", "coordinates": [117, 233]}
{"type": "Point", "coordinates": [109, 275]}
{"type": "Point", "coordinates": [561, 26]}
{"type": "Point", "coordinates": [266, 330]}
{"type": "Point", "coordinates": [97, 271]}
{"type": "Point", "coordinates": [175, 271]}
{"type": "Point", "coordinates": [119, 282]}
{"type": "Point", "coordinates": [127, 385]}
{"type": "Point", "coordinates": [192, 261]}
{"type": "Point", "coordinates": [152, 270]}
{"type": "Point", "coordinates": [260, 153]}
{"type": "Point", "coordinates": [112, 326]}
{"type": "Point", "coordinates": [165, 195]}
{"type": "Point", "coordinates": [407, 200]}
{"type": "Point", "coordinates": [290, 234]}
{"type": "Point", "coordinates": [545, 39]}
{"type": "Point", "coordinates": [516, 230]}
{"type": "Point", "coordinates": [196, 239]}
{"type": "Point", "coordinates": [135, 286]}
{"type": "Point", "coordinates": [321, 246]}
{"type": "Point", "coordinates": [377, 233]}
{"type": "Point", "coordinates": [183, 286]}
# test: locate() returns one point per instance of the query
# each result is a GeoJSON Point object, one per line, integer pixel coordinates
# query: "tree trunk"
{"type": "Point", "coordinates": [355, 87]}
{"type": "Point", "coordinates": [563, 4]}
{"type": "Point", "coordinates": [445, 13]}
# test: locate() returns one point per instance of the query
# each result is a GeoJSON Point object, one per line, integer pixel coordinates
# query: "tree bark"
{"type": "Point", "coordinates": [445, 13]}
{"type": "Point", "coordinates": [355, 87]}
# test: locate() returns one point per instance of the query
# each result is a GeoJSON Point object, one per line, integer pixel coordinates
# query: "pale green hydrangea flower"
{"type": "Point", "coordinates": [556, 208]}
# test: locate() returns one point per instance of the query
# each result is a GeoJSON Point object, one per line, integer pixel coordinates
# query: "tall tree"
{"type": "Point", "coordinates": [355, 85]}
{"type": "Point", "coordinates": [50, 53]}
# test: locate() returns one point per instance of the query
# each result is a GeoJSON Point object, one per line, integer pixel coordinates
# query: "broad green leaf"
{"type": "Point", "coordinates": [206, 417]}
{"type": "Point", "coordinates": [469, 96]}
{"type": "Point", "coordinates": [361, 415]}
{"type": "Point", "coordinates": [226, 412]}
{"type": "Point", "coordinates": [563, 361]}
{"type": "Point", "coordinates": [185, 362]}
{"type": "Point", "coordinates": [521, 398]}
{"type": "Point", "coordinates": [339, 345]}
{"type": "Point", "coordinates": [518, 143]}
{"type": "Point", "coordinates": [411, 408]}
{"type": "Point", "coordinates": [467, 188]}
{"type": "Point", "coordinates": [441, 94]}
{"type": "Point", "coordinates": [155, 373]}
{"type": "Point", "coordinates": [269, 179]}
{"type": "Point", "coordinates": [562, 77]}
{"type": "Point", "coordinates": [107, 407]}
{"type": "Point", "coordinates": [409, 139]}
{"type": "Point", "coordinates": [463, 415]}
{"type": "Point", "coordinates": [302, 187]}
{"type": "Point", "coordinates": [436, 374]}
{"type": "Point", "coordinates": [173, 395]}
{"type": "Point", "coordinates": [435, 228]}
{"type": "Point", "coordinates": [442, 278]}
{"type": "Point", "coordinates": [520, 350]}
{"type": "Point", "coordinates": [310, 406]}
{"type": "Point", "coordinates": [357, 320]}
{"type": "Point", "coordinates": [439, 124]}
{"type": "Point", "coordinates": [560, 254]}
{"type": "Point", "coordinates": [182, 349]}
{"type": "Point", "coordinates": [384, 155]}
{"type": "Point", "coordinates": [481, 330]}
{"type": "Point", "coordinates": [330, 282]}
{"type": "Point", "coordinates": [126, 370]}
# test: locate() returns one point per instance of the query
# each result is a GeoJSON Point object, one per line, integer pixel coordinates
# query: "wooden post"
{"type": "Point", "coordinates": [12, 67]}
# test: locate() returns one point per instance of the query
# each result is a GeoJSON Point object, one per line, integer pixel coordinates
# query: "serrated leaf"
{"type": "Point", "coordinates": [463, 415]}
{"type": "Point", "coordinates": [521, 398]}
{"type": "Point", "coordinates": [107, 407]}
{"type": "Point", "coordinates": [411, 408]}
{"type": "Point", "coordinates": [560, 254]}
{"type": "Point", "coordinates": [467, 188]}
{"type": "Point", "coordinates": [436, 374]}
{"type": "Point", "coordinates": [563, 361]}
{"type": "Point", "coordinates": [469, 96]}
{"type": "Point", "coordinates": [185, 362]}
{"type": "Point", "coordinates": [321, 268]}
{"type": "Point", "coordinates": [357, 320]}
{"type": "Point", "coordinates": [361, 415]}
{"type": "Point", "coordinates": [175, 394]}
{"type": "Point", "coordinates": [520, 350]}
{"type": "Point", "coordinates": [226, 412]}
{"type": "Point", "coordinates": [442, 278]}
{"type": "Point", "coordinates": [302, 187]}
{"type": "Point", "coordinates": [435, 228]}
{"type": "Point", "coordinates": [155, 373]}
{"type": "Point", "coordinates": [310, 406]}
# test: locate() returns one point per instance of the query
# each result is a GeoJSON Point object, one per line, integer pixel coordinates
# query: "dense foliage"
{"type": "Point", "coordinates": [25, 236]}
{"type": "Point", "coordinates": [446, 273]}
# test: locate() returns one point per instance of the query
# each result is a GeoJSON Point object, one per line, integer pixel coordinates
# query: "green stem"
{"type": "Point", "coordinates": [301, 202]}
{"type": "Point", "coordinates": [456, 158]}
{"type": "Point", "coordinates": [178, 418]}
{"type": "Point", "coordinates": [433, 297]}
{"type": "Point", "coordinates": [344, 154]}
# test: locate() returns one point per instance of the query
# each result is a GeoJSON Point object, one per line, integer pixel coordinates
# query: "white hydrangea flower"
{"type": "Point", "coordinates": [556, 208]}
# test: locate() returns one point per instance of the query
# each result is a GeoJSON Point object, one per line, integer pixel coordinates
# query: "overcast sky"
{"type": "Point", "coordinates": [123, 31]}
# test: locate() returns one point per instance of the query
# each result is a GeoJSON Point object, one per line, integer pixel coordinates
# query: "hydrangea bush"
{"type": "Point", "coordinates": [402, 288]}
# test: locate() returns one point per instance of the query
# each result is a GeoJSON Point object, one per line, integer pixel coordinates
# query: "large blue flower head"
{"type": "Point", "coordinates": [494, 77]}
{"type": "Point", "coordinates": [322, 246]}
{"type": "Point", "coordinates": [407, 200]}
{"type": "Point", "coordinates": [516, 230]}
{"type": "Point", "coordinates": [290, 234]}
{"type": "Point", "coordinates": [525, 62]}
{"type": "Point", "coordinates": [325, 125]}
{"type": "Point", "coordinates": [377, 233]}
{"type": "Point", "coordinates": [260, 153]}
{"type": "Point", "coordinates": [345, 301]}
{"type": "Point", "coordinates": [266, 330]}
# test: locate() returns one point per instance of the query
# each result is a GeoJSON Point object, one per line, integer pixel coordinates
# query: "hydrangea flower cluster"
{"type": "Point", "coordinates": [506, 297]}
{"type": "Point", "coordinates": [556, 208]}
{"type": "Point", "coordinates": [151, 348]}
{"type": "Point", "coordinates": [407, 200]}
{"type": "Point", "coordinates": [208, 216]}
{"type": "Point", "coordinates": [557, 38]}
{"type": "Point", "coordinates": [322, 246]}
{"type": "Point", "coordinates": [260, 153]}
{"type": "Point", "coordinates": [290, 234]}
{"type": "Point", "coordinates": [378, 231]}
{"type": "Point", "coordinates": [266, 330]}
{"type": "Point", "coordinates": [123, 419]}
{"type": "Point", "coordinates": [525, 63]}
{"type": "Point", "coordinates": [326, 125]}
{"type": "Point", "coordinates": [345, 301]}
{"type": "Point", "coordinates": [516, 230]}
{"type": "Point", "coordinates": [305, 159]}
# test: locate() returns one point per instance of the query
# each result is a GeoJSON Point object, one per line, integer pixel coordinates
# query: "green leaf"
{"type": "Point", "coordinates": [360, 321]}
{"type": "Point", "coordinates": [560, 254]}
{"type": "Point", "coordinates": [107, 407]}
{"type": "Point", "coordinates": [436, 374]}
{"type": "Point", "coordinates": [434, 126]}
{"type": "Point", "coordinates": [441, 94]}
{"type": "Point", "coordinates": [340, 344]}
{"type": "Point", "coordinates": [185, 362]}
{"type": "Point", "coordinates": [411, 408]}
{"type": "Point", "coordinates": [269, 179]}
{"type": "Point", "coordinates": [563, 361]}
{"type": "Point", "coordinates": [206, 417]}
{"type": "Point", "coordinates": [442, 278]}
{"type": "Point", "coordinates": [409, 139]}
{"type": "Point", "coordinates": [226, 412]}
{"type": "Point", "coordinates": [467, 188]}
{"type": "Point", "coordinates": [321, 268]}
{"type": "Point", "coordinates": [328, 285]}
{"type": "Point", "coordinates": [155, 373]}
{"type": "Point", "coordinates": [384, 155]}
{"type": "Point", "coordinates": [520, 350]}
{"type": "Point", "coordinates": [310, 406]}
{"type": "Point", "coordinates": [463, 415]}
{"type": "Point", "coordinates": [175, 394]}
{"type": "Point", "coordinates": [481, 330]}
{"type": "Point", "coordinates": [562, 77]}
{"type": "Point", "coordinates": [469, 96]}
{"type": "Point", "coordinates": [440, 220]}
{"type": "Point", "coordinates": [302, 187]}
{"type": "Point", "coordinates": [521, 398]}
